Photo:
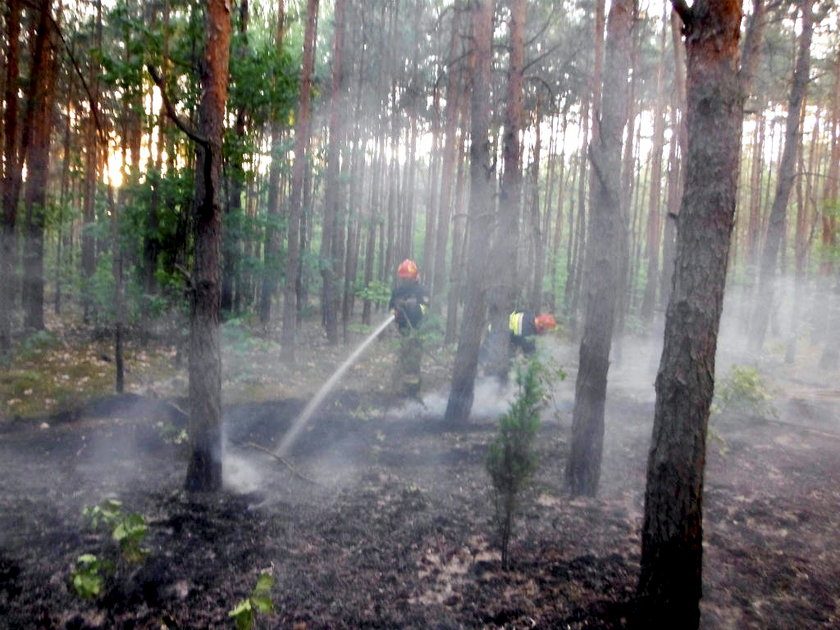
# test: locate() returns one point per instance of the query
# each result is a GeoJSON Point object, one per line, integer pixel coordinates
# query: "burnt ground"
{"type": "Point", "coordinates": [383, 519]}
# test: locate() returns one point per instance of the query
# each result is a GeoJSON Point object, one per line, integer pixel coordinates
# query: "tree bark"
{"type": "Point", "coordinates": [670, 584]}
{"type": "Point", "coordinates": [11, 175]}
{"type": "Point", "coordinates": [36, 147]}
{"type": "Point", "coordinates": [654, 226]}
{"type": "Point", "coordinates": [333, 197]}
{"type": "Point", "coordinates": [204, 472]}
{"type": "Point", "coordinates": [607, 231]}
{"type": "Point", "coordinates": [450, 146]}
{"type": "Point", "coordinates": [271, 247]}
{"type": "Point", "coordinates": [481, 201]}
{"type": "Point", "coordinates": [295, 210]}
{"type": "Point", "coordinates": [234, 219]}
{"type": "Point", "coordinates": [91, 172]}
{"type": "Point", "coordinates": [502, 292]}
{"type": "Point", "coordinates": [784, 182]}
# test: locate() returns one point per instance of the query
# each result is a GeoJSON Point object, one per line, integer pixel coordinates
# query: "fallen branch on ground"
{"type": "Point", "coordinates": [283, 461]}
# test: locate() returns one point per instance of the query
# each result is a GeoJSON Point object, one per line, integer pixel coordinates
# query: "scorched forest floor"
{"type": "Point", "coordinates": [381, 517]}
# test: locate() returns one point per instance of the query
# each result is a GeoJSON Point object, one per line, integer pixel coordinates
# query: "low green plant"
{"type": "Point", "coordinates": [172, 434]}
{"type": "Point", "coordinates": [743, 391]}
{"type": "Point", "coordinates": [512, 459]}
{"type": "Point", "coordinates": [128, 530]}
{"type": "Point", "coordinates": [87, 578]}
{"type": "Point", "coordinates": [373, 291]}
{"type": "Point", "coordinates": [259, 601]}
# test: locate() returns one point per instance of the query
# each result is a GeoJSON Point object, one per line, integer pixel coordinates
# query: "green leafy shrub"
{"type": "Point", "coordinates": [743, 391]}
{"type": "Point", "coordinates": [374, 291]}
{"type": "Point", "coordinates": [511, 459]}
{"type": "Point", "coordinates": [87, 578]}
{"type": "Point", "coordinates": [129, 531]}
{"type": "Point", "coordinates": [259, 601]}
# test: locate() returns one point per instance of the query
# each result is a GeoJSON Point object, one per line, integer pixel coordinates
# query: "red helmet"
{"type": "Point", "coordinates": [544, 322]}
{"type": "Point", "coordinates": [407, 269]}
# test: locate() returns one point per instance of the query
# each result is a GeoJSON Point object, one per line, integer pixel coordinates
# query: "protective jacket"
{"type": "Point", "coordinates": [409, 301]}
{"type": "Point", "coordinates": [522, 331]}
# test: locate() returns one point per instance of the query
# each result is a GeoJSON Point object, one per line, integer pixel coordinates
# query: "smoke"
{"type": "Point", "coordinates": [240, 474]}
{"type": "Point", "coordinates": [490, 400]}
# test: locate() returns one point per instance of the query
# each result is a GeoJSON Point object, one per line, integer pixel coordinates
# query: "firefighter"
{"type": "Point", "coordinates": [409, 301]}
{"type": "Point", "coordinates": [524, 325]}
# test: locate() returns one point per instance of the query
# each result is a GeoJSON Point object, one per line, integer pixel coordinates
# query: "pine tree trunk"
{"type": "Point", "coordinates": [91, 161]}
{"type": "Point", "coordinates": [676, 170]}
{"type": "Point", "coordinates": [273, 236]}
{"type": "Point", "coordinates": [333, 197]}
{"type": "Point", "coordinates": [672, 534]}
{"type": "Point", "coordinates": [11, 176]}
{"type": "Point", "coordinates": [466, 359]}
{"type": "Point", "coordinates": [654, 226]}
{"type": "Point", "coordinates": [448, 167]}
{"type": "Point", "coordinates": [36, 148]}
{"type": "Point", "coordinates": [607, 236]}
{"type": "Point", "coordinates": [293, 249]}
{"type": "Point", "coordinates": [204, 472]}
{"type": "Point", "coordinates": [503, 282]}
{"type": "Point", "coordinates": [233, 212]}
{"type": "Point", "coordinates": [784, 183]}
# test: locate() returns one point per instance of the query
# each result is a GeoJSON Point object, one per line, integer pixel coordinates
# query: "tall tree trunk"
{"type": "Point", "coordinates": [538, 235]}
{"type": "Point", "coordinates": [36, 148]}
{"type": "Point", "coordinates": [91, 172]}
{"type": "Point", "coordinates": [295, 202]}
{"type": "Point", "coordinates": [466, 359]}
{"type": "Point", "coordinates": [577, 230]}
{"type": "Point", "coordinates": [204, 472]}
{"type": "Point", "coordinates": [654, 226]}
{"type": "Point", "coordinates": [558, 221]}
{"type": "Point", "coordinates": [151, 239]}
{"type": "Point", "coordinates": [448, 169]}
{"type": "Point", "coordinates": [784, 182]}
{"type": "Point", "coordinates": [607, 235]}
{"type": "Point", "coordinates": [234, 220]}
{"type": "Point", "coordinates": [830, 357]}
{"type": "Point", "coordinates": [501, 294]}
{"type": "Point", "coordinates": [333, 197]}
{"type": "Point", "coordinates": [676, 169]}
{"type": "Point", "coordinates": [670, 584]}
{"type": "Point", "coordinates": [271, 247]}
{"type": "Point", "coordinates": [11, 175]}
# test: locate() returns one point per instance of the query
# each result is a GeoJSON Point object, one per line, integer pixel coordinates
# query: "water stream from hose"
{"type": "Point", "coordinates": [300, 422]}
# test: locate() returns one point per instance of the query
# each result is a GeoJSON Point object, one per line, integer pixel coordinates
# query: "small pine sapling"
{"type": "Point", "coordinates": [512, 460]}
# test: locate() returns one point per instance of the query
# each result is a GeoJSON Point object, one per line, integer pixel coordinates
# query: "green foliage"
{"type": "Point", "coordinates": [743, 392]}
{"type": "Point", "coordinates": [87, 578]}
{"type": "Point", "coordinates": [37, 342]}
{"type": "Point", "coordinates": [171, 434]}
{"type": "Point", "coordinates": [374, 291]}
{"type": "Point", "coordinates": [128, 530]}
{"type": "Point", "coordinates": [552, 372]}
{"type": "Point", "coordinates": [511, 459]}
{"type": "Point", "coordinates": [130, 533]}
{"type": "Point", "coordinates": [259, 601]}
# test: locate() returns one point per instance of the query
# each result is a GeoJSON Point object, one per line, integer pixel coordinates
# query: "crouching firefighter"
{"type": "Point", "coordinates": [409, 301]}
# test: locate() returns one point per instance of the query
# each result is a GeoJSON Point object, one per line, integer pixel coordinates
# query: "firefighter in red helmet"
{"type": "Point", "coordinates": [524, 325]}
{"type": "Point", "coordinates": [409, 302]}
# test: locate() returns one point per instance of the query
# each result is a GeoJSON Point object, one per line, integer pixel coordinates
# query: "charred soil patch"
{"type": "Point", "coordinates": [382, 519]}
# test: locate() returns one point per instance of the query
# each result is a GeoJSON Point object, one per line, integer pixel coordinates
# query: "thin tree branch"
{"type": "Point", "coordinates": [94, 104]}
{"type": "Point", "coordinates": [170, 110]}
{"type": "Point", "coordinates": [683, 10]}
